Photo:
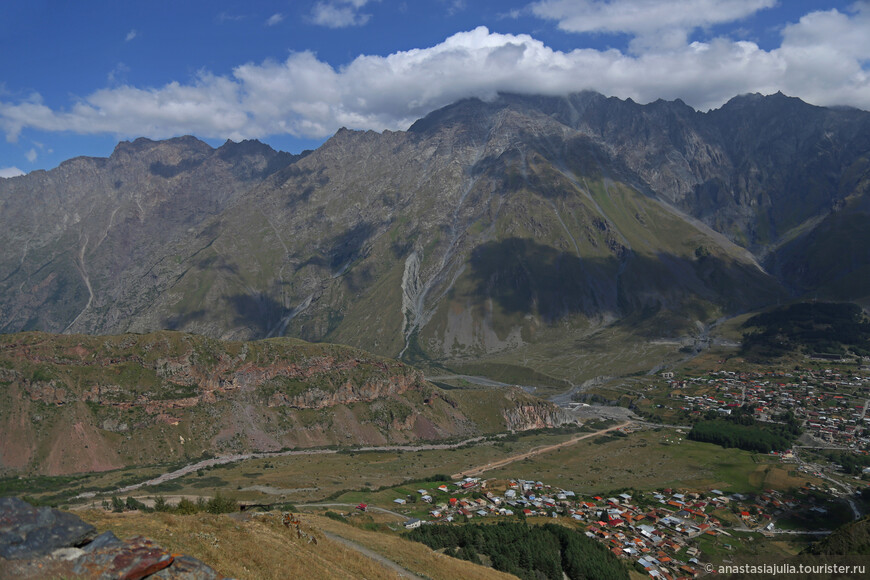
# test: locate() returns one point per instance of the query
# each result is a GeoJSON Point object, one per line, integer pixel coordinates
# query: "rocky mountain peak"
{"type": "Point", "coordinates": [245, 148]}
{"type": "Point", "coordinates": [465, 113]}
{"type": "Point", "coordinates": [187, 144]}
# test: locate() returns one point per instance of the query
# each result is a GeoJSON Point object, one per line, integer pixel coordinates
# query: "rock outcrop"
{"type": "Point", "coordinates": [38, 543]}
{"type": "Point", "coordinates": [530, 413]}
{"type": "Point", "coordinates": [353, 377]}
{"type": "Point", "coordinates": [349, 392]}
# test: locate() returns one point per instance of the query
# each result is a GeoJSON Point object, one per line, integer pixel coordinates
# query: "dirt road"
{"type": "Point", "coordinates": [402, 572]}
{"type": "Point", "coordinates": [187, 469]}
{"type": "Point", "coordinates": [402, 517]}
{"type": "Point", "coordinates": [474, 471]}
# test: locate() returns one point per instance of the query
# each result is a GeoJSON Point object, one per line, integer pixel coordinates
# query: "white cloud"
{"type": "Point", "coordinates": [131, 35]}
{"type": "Point", "coordinates": [276, 18]}
{"type": "Point", "coordinates": [640, 16]}
{"type": "Point", "coordinates": [652, 22]}
{"type": "Point", "coordinates": [31, 155]}
{"type": "Point", "coordinates": [339, 13]}
{"type": "Point", "coordinates": [7, 172]}
{"type": "Point", "coordinates": [822, 58]}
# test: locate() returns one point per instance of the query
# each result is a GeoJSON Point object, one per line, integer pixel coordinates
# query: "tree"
{"type": "Point", "coordinates": [186, 507]}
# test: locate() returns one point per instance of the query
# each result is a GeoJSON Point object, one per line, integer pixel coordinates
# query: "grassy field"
{"type": "Point", "coordinates": [649, 460]}
{"type": "Point", "coordinates": [316, 477]}
{"type": "Point", "coordinates": [743, 547]}
{"type": "Point", "coordinates": [550, 366]}
{"type": "Point", "coordinates": [263, 548]}
{"type": "Point", "coordinates": [644, 460]}
{"type": "Point", "coordinates": [260, 547]}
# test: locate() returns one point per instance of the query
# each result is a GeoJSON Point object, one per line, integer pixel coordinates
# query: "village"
{"type": "Point", "coordinates": [832, 404]}
{"type": "Point", "coordinates": [673, 533]}
{"type": "Point", "coordinates": [666, 533]}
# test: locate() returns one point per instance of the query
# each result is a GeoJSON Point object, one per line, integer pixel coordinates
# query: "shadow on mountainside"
{"type": "Point", "coordinates": [343, 248]}
{"type": "Point", "coordinates": [525, 277]}
{"type": "Point", "coordinates": [258, 311]}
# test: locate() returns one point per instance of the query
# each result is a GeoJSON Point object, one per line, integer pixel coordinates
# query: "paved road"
{"type": "Point", "coordinates": [665, 425]}
{"type": "Point", "coordinates": [483, 381]}
{"type": "Point", "coordinates": [848, 490]}
{"type": "Point", "coordinates": [471, 379]}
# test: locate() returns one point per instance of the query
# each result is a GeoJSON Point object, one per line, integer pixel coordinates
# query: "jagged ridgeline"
{"type": "Point", "coordinates": [520, 225]}
{"type": "Point", "coordinates": [72, 403]}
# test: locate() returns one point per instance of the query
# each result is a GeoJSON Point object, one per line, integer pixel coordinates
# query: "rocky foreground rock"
{"type": "Point", "coordinates": [41, 542]}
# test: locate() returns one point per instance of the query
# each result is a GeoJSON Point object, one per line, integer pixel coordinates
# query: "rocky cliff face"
{"type": "Point", "coordinates": [485, 229]}
{"type": "Point", "coordinates": [348, 393]}
{"type": "Point", "coordinates": [535, 415]}
{"type": "Point", "coordinates": [359, 380]}
{"type": "Point", "coordinates": [83, 403]}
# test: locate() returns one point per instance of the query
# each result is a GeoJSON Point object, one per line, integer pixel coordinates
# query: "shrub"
{"type": "Point", "coordinates": [160, 504]}
{"type": "Point", "coordinates": [186, 507]}
{"type": "Point", "coordinates": [221, 505]}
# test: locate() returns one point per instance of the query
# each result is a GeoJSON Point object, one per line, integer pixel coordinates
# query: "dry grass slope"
{"type": "Point", "coordinates": [260, 547]}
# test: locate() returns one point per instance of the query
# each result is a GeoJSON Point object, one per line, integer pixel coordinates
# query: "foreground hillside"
{"type": "Point", "coordinates": [42, 543]}
{"type": "Point", "coordinates": [260, 547]}
{"type": "Point", "coordinates": [72, 403]}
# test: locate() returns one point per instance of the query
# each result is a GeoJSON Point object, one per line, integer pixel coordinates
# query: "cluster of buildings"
{"type": "Point", "coordinates": [659, 531]}
{"type": "Point", "coordinates": [832, 405]}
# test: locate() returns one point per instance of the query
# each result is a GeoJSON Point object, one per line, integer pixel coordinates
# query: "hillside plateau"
{"type": "Point", "coordinates": [565, 237]}
{"type": "Point", "coordinates": [73, 403]}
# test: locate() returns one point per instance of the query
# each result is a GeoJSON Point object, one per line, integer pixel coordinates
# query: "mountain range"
{"type": "Point", "coordinates": [513, 230]}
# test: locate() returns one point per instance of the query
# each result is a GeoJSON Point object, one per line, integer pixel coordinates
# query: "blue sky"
{"type": "Point", "coordinates": [77, 77]}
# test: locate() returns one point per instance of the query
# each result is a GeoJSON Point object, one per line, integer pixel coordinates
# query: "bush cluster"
{"type": "Point", "coordinates": [215, 505]}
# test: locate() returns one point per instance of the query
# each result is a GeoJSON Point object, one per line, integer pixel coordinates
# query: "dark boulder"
{"type": "Point", "coordinates": [29, 532]}
{"type": "Point", "coordinates": [38, 543]}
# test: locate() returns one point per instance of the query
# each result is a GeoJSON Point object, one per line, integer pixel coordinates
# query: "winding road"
{"type": "Point", "coordinates": [190, 468]}
{"type": "Point", "coordinates": [223, 460]}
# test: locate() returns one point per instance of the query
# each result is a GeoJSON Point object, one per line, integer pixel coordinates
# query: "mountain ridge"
{"type": "Point", "coordinates": [485, 228]}
{"type": "Point", "coordinates": [75, 403]}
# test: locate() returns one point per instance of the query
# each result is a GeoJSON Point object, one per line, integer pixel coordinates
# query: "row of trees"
{"type": "Point", "coordinates": [740, 429]}
{"type": "Point", "coordinates": [748, 437]}
{"type": "Point", "coordinates": [529, 552]}
{"type": "Point", "coordinates": [215, 505]}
